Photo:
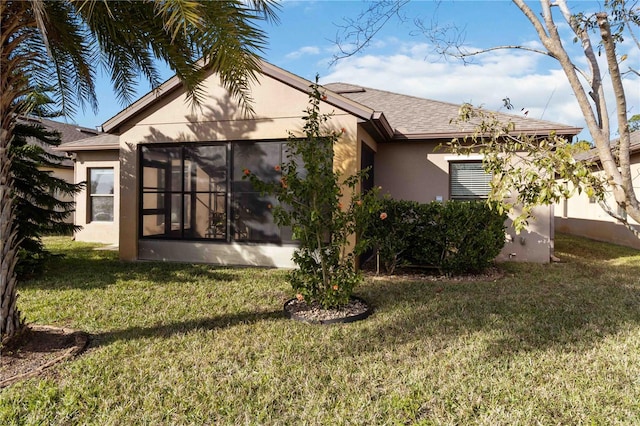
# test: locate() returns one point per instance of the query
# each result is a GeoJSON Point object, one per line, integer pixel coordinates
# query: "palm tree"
{"type": "Point", "coordinates": [65, 43]}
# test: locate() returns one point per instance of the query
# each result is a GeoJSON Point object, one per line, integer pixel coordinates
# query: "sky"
{"type": "Point", "coordinates": [401, 58]}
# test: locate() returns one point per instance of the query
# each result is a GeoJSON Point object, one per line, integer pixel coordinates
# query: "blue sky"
{"type": "Point", "coordinates": [400, 59]}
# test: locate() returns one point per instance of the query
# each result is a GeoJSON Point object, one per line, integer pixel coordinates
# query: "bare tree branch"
{"type": "Point", "coordinates": [356, 34]}
{"type": "Point", "coordinates": [597, 33]}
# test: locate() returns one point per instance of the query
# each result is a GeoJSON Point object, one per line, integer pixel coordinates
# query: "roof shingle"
{"type": "Point", "coordinates": [414, 116]}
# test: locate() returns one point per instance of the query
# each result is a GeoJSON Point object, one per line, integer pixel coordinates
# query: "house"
{"type": "Point", "coordinates": [584, 216]}
{"type": "Point", "coordinates": [68, 134]}
{"type": "Point", "coordinates": [177, 191]}
{"type": "Point", "coordinates": [96, 161]}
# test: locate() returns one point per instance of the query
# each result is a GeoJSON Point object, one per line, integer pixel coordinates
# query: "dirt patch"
{"type": "Point", "coordinates": [36, 349]}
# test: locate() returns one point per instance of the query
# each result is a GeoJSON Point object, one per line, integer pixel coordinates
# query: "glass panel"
{"type": "Point", "coordinates": [187, 212]}
{"type": "Point", "coordinates": [160, 154]}
{"type": "Point", "coordinates": [260, 158]}
{"type": "Point", "coordinates": [469, 180]}
{"type": "Point", "coordinates": [210, 219]}
{"type": "Point", "coordinates": [176, 176]}
{"type": "Point", "coordinates": [158, 163]}
{"type": "Point", "coordinates": [253, 218]}
{"type": "Point", "coordinates": [101, 181]}
{"type": "Point", "coordinates": [152, 201]}
{"type": "Point", "coordinates": [176, 211]}
{"type": "Point", "coordinates": [153, 225]}
{"type": "Point", "coordinates": [102, 208]}
{"type": "Point", "coordinates": [208, 167]}
{"type": "Point", "coordinates": [153, 178]}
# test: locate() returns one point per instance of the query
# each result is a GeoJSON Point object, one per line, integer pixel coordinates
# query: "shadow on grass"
{"type": "Point", "coordinates": [568, 306]}
{"type": "Point", "coordinates": [171, 329]}
{"type": "Point", "coordinates": [98, 271]}
{"type": "Point", "coordinates": [593, 294]}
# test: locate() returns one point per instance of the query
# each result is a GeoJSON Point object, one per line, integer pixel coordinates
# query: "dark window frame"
{"type": "Point", "coordinates": [229, 198]}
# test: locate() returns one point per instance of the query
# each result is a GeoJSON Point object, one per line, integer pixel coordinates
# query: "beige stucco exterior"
{"type": "Point", "coordinates": [278, 111]}
{"type": "Point", "coordinates": [580, 215]}
{"type": "Point", "coordinates": [66, 174]}
{"type": "Point", "coordinates": [417, 171]}
{"type": "Point", "coordinates": [406, 165]}
{"type": "Point", "coordinates": [97, 231]}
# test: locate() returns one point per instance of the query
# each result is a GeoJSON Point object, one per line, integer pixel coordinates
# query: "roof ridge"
{"type": "Point", "coordinates": [457, 105]}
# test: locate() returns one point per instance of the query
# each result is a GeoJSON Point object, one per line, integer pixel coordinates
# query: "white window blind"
{"type": "Point", "coordinates": [469, 181]}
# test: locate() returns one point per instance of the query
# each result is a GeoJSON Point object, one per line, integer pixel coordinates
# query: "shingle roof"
{"type": "Point", "coordinates": [592, 154]}
{"type": "Point", "coordinates": [413, 117]}
{"type": "Point", "coordinates": [99, 142]}
{"type": "Point", "coordinates": [68, 133]}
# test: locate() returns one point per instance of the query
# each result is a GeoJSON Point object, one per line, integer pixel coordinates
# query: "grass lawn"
{"type": "Point", "coordinates": [196, 344]}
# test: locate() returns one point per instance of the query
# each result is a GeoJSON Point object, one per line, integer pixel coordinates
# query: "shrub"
{"type": "Point", "coordinates": [454, 237]}
{"type": "Point", "coordinates": [310, 197]}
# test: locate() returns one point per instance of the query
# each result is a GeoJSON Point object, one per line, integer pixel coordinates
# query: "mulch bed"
{"type": "Point", "coordinates": [36, 349]}
{"type": "Point", "coordinates": [300, 310]}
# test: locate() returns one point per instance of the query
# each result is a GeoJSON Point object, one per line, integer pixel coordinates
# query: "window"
{"type": "Point", "coordinates": [468, 180]}
{"type": "Point", "coordinates": [101, 195]}
{"type": "Point", "coordinates": [197, 191]}
{"type": "Point", "coordinates": [252, 211]}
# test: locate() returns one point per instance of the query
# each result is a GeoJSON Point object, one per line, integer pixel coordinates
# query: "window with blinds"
{"type": "Point", "coordinates": [468, 180]}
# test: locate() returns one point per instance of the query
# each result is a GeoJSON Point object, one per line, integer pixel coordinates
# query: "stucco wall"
{"type": "Point", "coordinates": [67, 175]}
{"type": "Point", "coordinates": [101, 232]}
{"type": "Point", "coordinates": [581, 216]}
{"type": "Point", "coordinates": [278, 110]}
{"type": "Point", "coordinates": [416, 171]}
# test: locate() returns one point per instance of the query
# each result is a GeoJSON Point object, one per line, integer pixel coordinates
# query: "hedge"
{"type": "Point", "coordinates": [454, 237]}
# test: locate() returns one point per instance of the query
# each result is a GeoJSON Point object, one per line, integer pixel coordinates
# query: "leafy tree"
{"type": "Point", "coordinates": [525, 168]}
{"type": "Point", "coordinates": [63, 44]}
{"type": "Point", "coordinates": [634, 123]}
{"type": "Point", "coordinates": [38, 207]}
{"type": "Point", "coordinates": [310, 196]}
{"type": "Point", "coordinates": [600, 36]}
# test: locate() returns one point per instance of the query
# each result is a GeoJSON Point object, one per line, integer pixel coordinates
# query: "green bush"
{"type": "Point", "coordinates": [454, 237]}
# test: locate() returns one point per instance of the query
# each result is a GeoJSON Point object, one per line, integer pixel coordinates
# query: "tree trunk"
{"type": "Point", "coordinates": [625, 195]}
{"type": "Point", "coordinates": [13, 86]}
{"type": "Point", "coordinates": [617, 169]}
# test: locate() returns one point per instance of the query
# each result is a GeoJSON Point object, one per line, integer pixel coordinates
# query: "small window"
{"type": "Point", "coordinates": [469, 181]}
{"type": "Point", "coordinates": [101, 195]}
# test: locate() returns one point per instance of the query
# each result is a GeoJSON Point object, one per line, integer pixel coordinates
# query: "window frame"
{"type": "Point", "coordinates": [91, 195]}
{"type": "Point", "coordinates": [456, 197]}
{"type": "Point", "coordinates": [230, 197]}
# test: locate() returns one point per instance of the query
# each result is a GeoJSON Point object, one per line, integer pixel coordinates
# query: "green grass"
{"type": "Point", "coordinates": [195, 344]}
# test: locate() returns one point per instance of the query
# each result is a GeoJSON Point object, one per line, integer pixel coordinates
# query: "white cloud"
{"type": "Point", "coordinates": [303, 51]}
{"type": "Point", "coordinates": [531, 81]}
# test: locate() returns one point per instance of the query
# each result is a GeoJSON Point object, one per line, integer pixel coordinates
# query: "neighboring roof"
{"type": "Point", "coordinates": [103, 141]}
{"type": "Point", "coordinates": [592, 154]}
{"type": "Point", "coordinates": [68, 133]}
{"type": "Point", "coordinates": [419, 118]}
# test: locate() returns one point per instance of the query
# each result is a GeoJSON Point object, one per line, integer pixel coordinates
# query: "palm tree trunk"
{"type": "Point", "coordinates": [10, 319]}
{"type": "Point", "coordinates": [13, 86]}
